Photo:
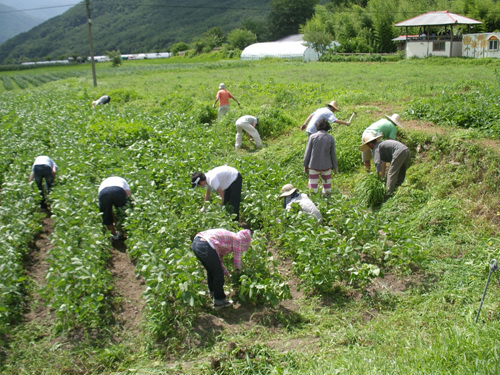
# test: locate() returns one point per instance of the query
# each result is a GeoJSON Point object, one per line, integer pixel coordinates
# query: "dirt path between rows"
{"type": "Point", "coordinates": [127, 289]}
{"type": "Point", "coordinates": [37, 268]}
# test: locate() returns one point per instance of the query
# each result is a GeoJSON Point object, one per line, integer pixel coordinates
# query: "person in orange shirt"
{"type": "Point", "coordinates": [223, 97]}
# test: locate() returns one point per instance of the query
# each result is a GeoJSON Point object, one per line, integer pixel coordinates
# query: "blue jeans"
{"type": "Point", "coordinates": [209, 258]}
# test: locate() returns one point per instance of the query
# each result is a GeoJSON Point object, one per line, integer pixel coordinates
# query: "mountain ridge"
{"type": "Point", "coordinates": [128, 27]}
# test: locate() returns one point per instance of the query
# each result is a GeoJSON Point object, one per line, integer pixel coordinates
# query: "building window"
{"type": "Point", "coordinates": [493, 45]}
{"type": "Point", "coordinates": [439, 46]}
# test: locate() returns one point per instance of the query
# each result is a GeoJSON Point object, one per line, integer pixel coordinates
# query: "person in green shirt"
{"type": "Point", "coordinates": [387, 127]}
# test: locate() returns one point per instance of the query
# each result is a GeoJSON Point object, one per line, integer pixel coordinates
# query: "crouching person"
{"type": "Point", "coordinates": [43, 168]}
{"type": "Point", "coordinates": [247, 123]}
{"type": "Point", "coordinates": [210, 247]}
{"type": "Point", "coordinates": [113, 191]}
{"type": "Point", "coordinates": [291, 195]}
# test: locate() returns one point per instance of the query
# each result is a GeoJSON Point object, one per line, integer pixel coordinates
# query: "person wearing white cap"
{"type": "Point", "coordinates": [223, 97]}
{"type": "Point", "coordinates": [389, 151]}
{"type": "Point", "coordinates": [387, 127]}
{"type": "Point", "coordinates": [291, 195]}
{"type": "Point", "coordinates": [247, 123]}
{"type": "Point", "coordinates": [327, 113]}
{"type": "Point", "coordinates": [209, 247]}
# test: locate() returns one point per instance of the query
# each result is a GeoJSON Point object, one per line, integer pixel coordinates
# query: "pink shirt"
{"type": "Point", "coordinates": [223, 96]}
{"type": "Point", "coordinates": [225, 242]}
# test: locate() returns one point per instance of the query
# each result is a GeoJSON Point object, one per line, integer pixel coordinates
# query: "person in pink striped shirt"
{"type": "Point", "coordinates": [209, 247]}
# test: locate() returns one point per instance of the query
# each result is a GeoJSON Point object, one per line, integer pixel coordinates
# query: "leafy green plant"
{"type": "Point", "coordinates": [370, 191]}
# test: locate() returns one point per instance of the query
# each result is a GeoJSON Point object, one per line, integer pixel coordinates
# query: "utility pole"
{"type": "Point", "coordinates": [87, 5]}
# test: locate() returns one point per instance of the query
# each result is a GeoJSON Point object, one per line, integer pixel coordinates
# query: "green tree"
{"type": "Point", "coordinates": [115, 57]}
{"type": "Point", "coordinates": [178, 47]}
{"type": "Point", "coordinates": [317, 31]}
{"type": "Point", "coordinates": [286, 16]}
{"type": "Point", "coordinates": [383, 24]}
{"type": "Point", "coordinates": [259, 28]}
{"type": "Point", "coordinates": [213, 37]}
{"type": "Point", "coordinates": [240, 38]}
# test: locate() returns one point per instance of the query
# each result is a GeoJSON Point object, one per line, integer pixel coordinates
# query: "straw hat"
{"type": "Point", "coordinates": [395, 119]}
{"type": "Point", "coordinates": [222, 86]}
{"type": "Point", "coordinates": [333, 104]}
{"type": "Point", "coordinates": [367, 139]}
{"type": "Point", "coordinates": [287, 190]}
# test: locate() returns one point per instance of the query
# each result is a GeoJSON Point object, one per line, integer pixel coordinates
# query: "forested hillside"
{"type": "Point", "coordinates": [360, 26]}
{"type": "Point", "coordinates": [14, 23]}
{"type": "Point", "coordinates": [131, 27]}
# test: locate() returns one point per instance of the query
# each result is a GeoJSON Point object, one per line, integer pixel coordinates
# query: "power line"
{"type": "Point", "coordinates": [142, 5]}
{"type": "Point", "coordinates": [29, 10]}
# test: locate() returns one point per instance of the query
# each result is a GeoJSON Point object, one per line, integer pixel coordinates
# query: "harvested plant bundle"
{"type": "Point", "coordinates": [371, 190]}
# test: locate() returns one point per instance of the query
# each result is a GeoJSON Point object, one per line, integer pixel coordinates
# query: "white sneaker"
{"type": "Point", "coordinates": [118, 236]}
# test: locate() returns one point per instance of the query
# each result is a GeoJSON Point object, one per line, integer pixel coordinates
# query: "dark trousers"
{"type": "Point", "coordinates": [232, 196]}
{"type": "Point", "coordinates": [41, 172]}
{"type": "Point", "coordinates": [207, 255]}
{"type": "Point", "coordinates": [109, 197]}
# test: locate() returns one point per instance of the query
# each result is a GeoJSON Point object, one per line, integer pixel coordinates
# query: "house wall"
{"type": "Point", "coordinates": [424, 48]}
{"type": "Point", "coordinates": [476, 45]}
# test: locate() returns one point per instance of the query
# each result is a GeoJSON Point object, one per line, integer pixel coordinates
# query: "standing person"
{"type": "Point", "coordinates": [385, 127]}
{"type": "Point", "coordinates": [43, 168]}
{"type": "Point", "coordinates": [105, 99]}
{"type": "Point", "coordinates": [225, 180]}
{"type": "Point", "coordinates": [320, 158]}
{"type": "Point", "coordinates": [223, 96]}
{"type": "Point", "coordinates": [113, 191]}
{"type": "Point", "coordinates": [247, 123]}
{"type": "Point", "coordinates": [389, 151]}
{"type": "Point", "coordinates": [291, 195]}
{"type": "Point", "coordinates": [210, 247]}
{"type": "Point", "coordinates": [327, 112]}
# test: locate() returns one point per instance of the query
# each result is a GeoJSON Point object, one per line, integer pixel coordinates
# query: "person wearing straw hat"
{"type": "Point", "coordinates": [226, 181]}
{"type": "Point", "coordinates": [223, 97]}
{"type": "Point", "coordinates": [209, 247]}
{"type": "Point", "coordinates": [327, 113]}
{"type": "Point", "coordinates": [389, 151]}
{"type": "Point", "coordinates": [292, 196]}
{"type": "Point", "coordinates": [386, 127]}
{"type": "Point", "coordinates": [320, 158]}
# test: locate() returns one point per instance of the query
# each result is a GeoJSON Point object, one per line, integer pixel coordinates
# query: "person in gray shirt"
{"type": "Point", "coordinates": [320, 158]}
{"type": "Point", "coordinates": [393, 152]}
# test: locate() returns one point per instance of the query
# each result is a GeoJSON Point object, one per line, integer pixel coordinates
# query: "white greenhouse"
{"type": "Point", "coordinates": [292, 47]}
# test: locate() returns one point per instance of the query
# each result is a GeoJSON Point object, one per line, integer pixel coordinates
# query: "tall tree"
{"type": "Point", "coordinates": [383, 12]}
{"type": "Point", "coordinates": [317, 30]}
{"type": "Point", "coordinates": [286, 16]}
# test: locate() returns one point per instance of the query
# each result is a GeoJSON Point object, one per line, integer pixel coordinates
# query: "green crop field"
{"type": "Point", "coordinates": [381, 287]}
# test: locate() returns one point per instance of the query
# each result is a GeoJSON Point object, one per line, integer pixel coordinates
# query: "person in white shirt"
{"type": "Point", "coordinates": [326, 113]}
{"type": "Point", "coordinates": [105, 99]}
{"type": "Point", "coordinates": [226, 181]}
{"type": "Point", "coordinates": [292, 196]}
{"type": "Point", "coordinates": [247, 123]}
{"type": "Point", "coordinates": [43, 168]}
{"type": "Point", "coordinates": [113, 191]}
